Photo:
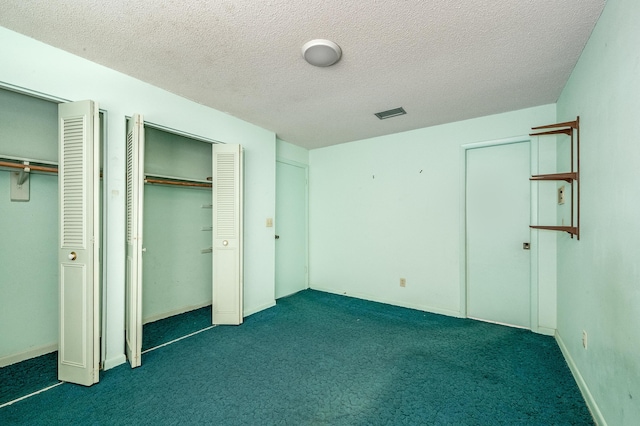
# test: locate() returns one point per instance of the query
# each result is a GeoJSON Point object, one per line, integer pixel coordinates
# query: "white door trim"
{"type": "Point", "coordinates": [463, 221]}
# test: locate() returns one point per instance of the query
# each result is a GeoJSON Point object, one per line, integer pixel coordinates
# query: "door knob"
{"type": "Point", "coordinates": [73, 255]}
{"type": "Point", "coordinates": [526, 246]}
{"type": "Point", "coordinates": [225, 243]}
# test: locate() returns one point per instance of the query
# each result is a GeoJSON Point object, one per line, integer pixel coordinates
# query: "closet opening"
{"type": "Point", "coordinates": [176, 236]}
{"type": "Point", "coordinates": [29, 225]}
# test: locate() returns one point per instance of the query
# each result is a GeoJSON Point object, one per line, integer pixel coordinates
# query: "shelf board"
{"type": "Point", "coordinates": [573, 124]}
{"type": "Point", "coordinates": [567, 131]}
{"type": "Point", "coordinates": [568, 177]}
{"type": "Point", "coordinates": [570, 229]}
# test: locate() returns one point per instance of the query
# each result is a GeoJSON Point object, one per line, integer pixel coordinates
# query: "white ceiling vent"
{"type": "Point", "coordinates": [391, 113]}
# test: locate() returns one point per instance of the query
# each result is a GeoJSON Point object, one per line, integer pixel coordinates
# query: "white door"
{"type": "Point", "coordinates": [133, 277]}
{"type": "Point", "coordinates": [291, 229]}
{"type": "Point", "coordinates": [78, 254]}
{"type": "Point", "coordinates": [498, 214]}
{"type": "Point", "coordinates": [227, 234]}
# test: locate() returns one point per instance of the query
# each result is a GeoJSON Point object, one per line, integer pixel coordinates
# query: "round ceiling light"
{"type": "Point", "coordinates": [321, 53]}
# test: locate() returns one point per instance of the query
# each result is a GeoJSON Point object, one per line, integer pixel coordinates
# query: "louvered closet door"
{"type": "Point", "coordinates": [78, 180]}
{"type": "Point", "coordinates": [227, 234]}
{"type": "Point", "coordinates": [133, 278]}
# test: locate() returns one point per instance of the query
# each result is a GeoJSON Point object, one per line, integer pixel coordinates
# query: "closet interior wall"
{"type": "Point", "coordinates": [29, 282]}
{"type": "Point", "coordinates": [177, 260]}
{"type": "Point", "coordinates": [29, 243]}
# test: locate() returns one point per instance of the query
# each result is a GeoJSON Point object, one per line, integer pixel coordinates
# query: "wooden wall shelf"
{"type": "Point", "coordinates": [567, 177]}
{"type": "Point", "coordinates": [570, 229]}
{"type": "Point", "coordinates": [571, 129]}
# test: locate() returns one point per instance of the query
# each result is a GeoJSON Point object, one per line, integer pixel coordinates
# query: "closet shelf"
{"type": "Point", "coordinates": [177, 181]}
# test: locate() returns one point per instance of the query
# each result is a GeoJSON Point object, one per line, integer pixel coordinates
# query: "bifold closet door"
{"type": "Point", "coordinates": [227, 234]}
{"type": "Point", "coordinates": [133, 277]}
{"type": "Point", "coordinates": [79, 194]}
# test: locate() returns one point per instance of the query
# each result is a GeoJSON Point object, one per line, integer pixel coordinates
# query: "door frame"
{"type": "Point", "coordinates": [150, 124]}
{"type": "Point", "coordinates": [306, 216]}
{"type": "Point", "coordinates": [534, 263]}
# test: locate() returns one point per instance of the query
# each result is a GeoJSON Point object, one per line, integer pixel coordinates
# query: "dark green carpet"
{"type": "Point", "coordinates": [165, 330]}
{"type": "Point", "coordinates": [18, 380]}
{"type": "Point", "coordinates": [23, 378]}
{"type": "Point", "coordinates": [317, 358]}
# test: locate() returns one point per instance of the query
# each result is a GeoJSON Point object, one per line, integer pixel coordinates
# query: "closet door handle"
{"type": "Point", "coordinates": [73, 255]}
{"type": "Point", "coordinates": [225, 243]}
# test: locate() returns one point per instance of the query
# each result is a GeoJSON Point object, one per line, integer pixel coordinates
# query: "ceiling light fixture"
{"type": "Point", "coordinates": [390, 113]}
{"type": "Point", "coordinates": [321, 53]}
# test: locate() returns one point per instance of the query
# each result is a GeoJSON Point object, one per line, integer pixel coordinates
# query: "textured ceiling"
{"type": "Point", "coordinates": [441, 60]}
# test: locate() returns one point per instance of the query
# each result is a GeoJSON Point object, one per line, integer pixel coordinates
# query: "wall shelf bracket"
{"type": "Point", "coordinates": [571, 129]}
{"type": "Point", "coordinates": [20, 183]}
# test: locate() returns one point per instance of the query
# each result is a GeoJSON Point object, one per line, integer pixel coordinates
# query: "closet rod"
{"type": "Point", "coordinates": [178, 183]}
{"type": "Point", "coordinates": [32, 167]}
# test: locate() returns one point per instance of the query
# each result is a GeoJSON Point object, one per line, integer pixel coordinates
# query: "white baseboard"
{"type": "Point", "coordinates": [546, 331]}
{"type": "Point", "coordinates": [179, 311]}
{"type": "Point", "coordinates": [257, 309]}
{"type": "Point", "coordinates": [114, 362]}
{"type": "Point", "coordinates": [584, 389]}
{"type": "Point", "coordinates": [431, 309]}
{"type": "Point", "coordinates": [31, 353]}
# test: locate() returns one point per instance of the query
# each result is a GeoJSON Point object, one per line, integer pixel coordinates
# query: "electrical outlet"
{"type": "Point", "coordinates": [269, 222]}
{"type": "Point", "coordinates": [403, 282]}
{"type": "Point", "coordinates": [561, 191]}
{"type": "Point", "coordinates": [584, 339]}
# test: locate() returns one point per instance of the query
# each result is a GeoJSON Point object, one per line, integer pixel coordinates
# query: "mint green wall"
{"type": "Point", "coordinates": [169, 154]}
{"type": "Point", "coordinates": [390, 207]}
{"type": "Point", "coordinates": [23, 136]}
{"type": "Point", "coordinates": [57, 73]}
{"type": "Point", "coordinates": [598, 276]}
{"type": "Point", "coordinates": [28, 230]}
{"type": "Point", "coordinates": [288, 151]}
{"type": "Point", "coordinates": [176, 274]}
{"type": "Point", "coordinates": [29, 268]}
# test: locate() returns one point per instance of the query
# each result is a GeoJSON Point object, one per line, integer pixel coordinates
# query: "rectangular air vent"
{"type": "Point", "coordinates": [391, 113]}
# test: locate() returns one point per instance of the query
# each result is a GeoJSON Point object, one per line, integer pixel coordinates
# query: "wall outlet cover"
{"type": "Point", "coordinates": [561, 193]}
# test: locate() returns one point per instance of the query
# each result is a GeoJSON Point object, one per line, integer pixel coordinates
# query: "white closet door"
{"type": "Point", "coordinates": [498, 218]}
{"type": "Point", "coordinates": [79, 194]}
{"type": "Point", "coordinates": [133, 279]}
{"type": "Point", "coordinates": [227, 234]}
